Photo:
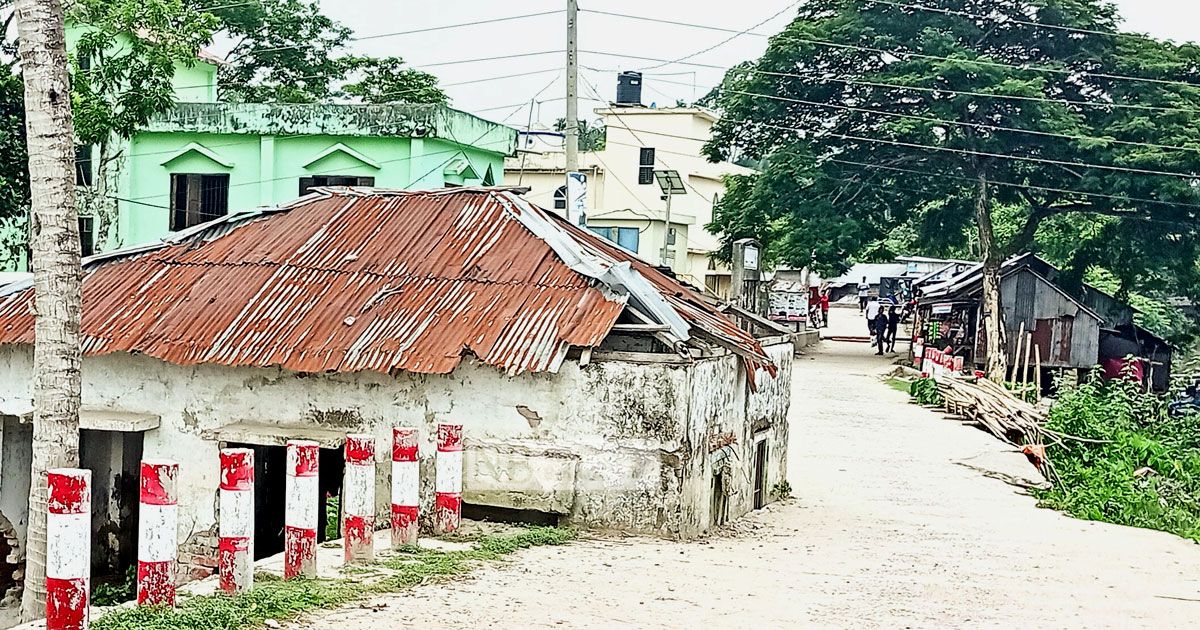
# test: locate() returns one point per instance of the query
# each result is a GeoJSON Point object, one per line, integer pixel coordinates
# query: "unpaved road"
{"type": "Point", "coordinates": [893, 526]}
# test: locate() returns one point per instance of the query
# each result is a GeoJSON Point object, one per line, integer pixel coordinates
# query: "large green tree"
{"type": "Point", "coordinates": [870, 118]}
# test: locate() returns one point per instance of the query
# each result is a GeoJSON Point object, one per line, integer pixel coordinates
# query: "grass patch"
{"type": "Point", "coordinates": [899, 384]}
{"type": "Point", "coordinates": [1146, 473]}
{"type": "Point", "coordinates": [273, 598]}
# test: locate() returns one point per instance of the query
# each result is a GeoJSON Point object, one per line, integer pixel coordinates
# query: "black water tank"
{"type": "Point", "coordinates": [629, 88]}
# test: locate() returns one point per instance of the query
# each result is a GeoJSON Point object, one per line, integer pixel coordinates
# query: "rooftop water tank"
{"type": "Point", "coordinates": [629, 88]}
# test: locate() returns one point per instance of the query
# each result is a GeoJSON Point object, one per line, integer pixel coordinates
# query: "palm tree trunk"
{"type": "Point", "coordinates": [56, 271]}
{"type": "Point", "coordinates": [993, 314]}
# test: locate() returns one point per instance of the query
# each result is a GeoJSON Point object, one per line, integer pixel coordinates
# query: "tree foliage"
{"type": "Point", "coordinates": [125, 61]}
{"type": "Point", "coordinates": [870, 118]}
{"type": "Point", "coordinates": [592, 136]}
{"type": "Point", "coordinates": [288, 51]}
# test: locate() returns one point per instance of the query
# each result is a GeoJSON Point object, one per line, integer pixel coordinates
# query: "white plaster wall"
{"type": "Point", "coordinates": [16, 457]}
{"type": "Point", "coordinates": [632, 431]}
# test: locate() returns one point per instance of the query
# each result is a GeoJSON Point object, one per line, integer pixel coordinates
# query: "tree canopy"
{"type": "Point", "coordinates": [288, 51]}
{"type": "Point", "coordinates": [1001, 121]}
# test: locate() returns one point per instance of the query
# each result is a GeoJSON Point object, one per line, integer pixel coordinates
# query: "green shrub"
{"type": "Point", "coordinates": [1143, 472]}
{"type": "Point", "coordinates": [924, 391]}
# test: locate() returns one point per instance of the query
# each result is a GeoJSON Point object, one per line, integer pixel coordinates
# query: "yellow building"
{"type": "Point", "coordinates": [624, 202]}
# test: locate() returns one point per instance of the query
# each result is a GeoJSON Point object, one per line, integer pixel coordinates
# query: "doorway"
{"type": "Point", "coordinates": [270, 481]}
{"type": "Point", "coordinates": [760, 474]}
{"type": "Point", "coordinates": [114, 457]}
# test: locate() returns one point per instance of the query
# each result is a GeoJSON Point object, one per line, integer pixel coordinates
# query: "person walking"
{"type": "Point", "coordinates": [872, 310]}
{"type": "Point", "coordinates": [864, 294]}
{"type": "Point", "coordinates": [825, 308]}
{"type": "Point", "coordinates": [880, 322]}
{"type": "Point", "coordinates": [893, 325]}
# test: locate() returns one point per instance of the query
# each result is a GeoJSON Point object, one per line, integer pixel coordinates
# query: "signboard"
{"type": "Point", "coordinates": [577, 198]}
{"type": "Point", "coordinates": [788, 306]}
{"type": "Point", "coordinates": [942, 309]}
{"type": "Point", "coordinates": [750, 259]}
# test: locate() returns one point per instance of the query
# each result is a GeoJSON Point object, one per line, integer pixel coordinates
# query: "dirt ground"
{"type": "Point", "coordinates": [900, 520]}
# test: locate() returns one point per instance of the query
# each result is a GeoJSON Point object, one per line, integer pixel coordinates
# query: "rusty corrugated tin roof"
{"type": "Point", "coordinates": [361, 279]}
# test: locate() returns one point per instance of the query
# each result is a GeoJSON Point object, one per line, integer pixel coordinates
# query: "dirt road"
{"type": "Point", "coordinates": [894, 525]}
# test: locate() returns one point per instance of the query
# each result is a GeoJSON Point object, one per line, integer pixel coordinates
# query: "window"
{"type": "Point", "coordinates": [625, 237]}
{"type": "Point", "coordinates": [87, 236]}
{"type": "Point", "coordinates": [560, 198]}
{"type": "Point", "coordinates": [646, 166]}
{"type": "Point", "coordinates": [197, 198]}
{"type": "Point", "coordinates": [308, 183]}
{"type": "Point", "coordinates": [83, 165]}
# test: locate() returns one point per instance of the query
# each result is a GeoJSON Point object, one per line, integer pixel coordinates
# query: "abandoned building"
{"type": "Point", "coordinates": [1073, 326]}
{"type": "Point", "coordinates": [594, 391]}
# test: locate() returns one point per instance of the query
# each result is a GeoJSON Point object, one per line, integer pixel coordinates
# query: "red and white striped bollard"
{"type": "Point", "coordinates": [235, 547]}
{"type": "Point", "coordinates": [358, 497]}
{"type": "Point", "coordinates": [406, 487]}
{"type": "Point", "coordinates": [68, 548]}
{"type": "Point", "coordinates": [300, 511]}
{"type": "Point", "coordinates": [158, 532]}
{"type": "Point", "coordinates": [448, 483]}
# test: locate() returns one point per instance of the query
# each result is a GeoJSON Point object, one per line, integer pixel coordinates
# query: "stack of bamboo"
{"type": "Point", "coordinates": [995, 409]}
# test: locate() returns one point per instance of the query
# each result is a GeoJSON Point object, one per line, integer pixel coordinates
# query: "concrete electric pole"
{"type": "Point", "coordinates": [572, 126]}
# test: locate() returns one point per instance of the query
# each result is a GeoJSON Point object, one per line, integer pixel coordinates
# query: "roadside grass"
{"type": "Point", "coordinates": [899, 384]}
{"type": "Point", "coordinates": [274, 598]}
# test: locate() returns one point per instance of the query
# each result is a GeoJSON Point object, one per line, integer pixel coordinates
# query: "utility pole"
{"type": "Point", "coordinates": [666, 258]}
{"type": "Point", "coordinates": [572, 127]}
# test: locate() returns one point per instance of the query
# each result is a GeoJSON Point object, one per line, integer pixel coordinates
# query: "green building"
{"type": "Point", "coordinates": [203, 159]}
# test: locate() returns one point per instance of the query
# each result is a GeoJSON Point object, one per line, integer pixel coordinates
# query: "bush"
{"type": "Point", "coordinates": [1144, 471]}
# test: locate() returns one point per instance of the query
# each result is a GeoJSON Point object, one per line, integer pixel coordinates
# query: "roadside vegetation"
{"type": "Point", "coordinates": [276, 599]}
{"type": "Point", "coordinates": [1139, 467]}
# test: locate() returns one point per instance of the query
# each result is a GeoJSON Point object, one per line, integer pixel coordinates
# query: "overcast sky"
{"type": "Point", "coordinates": [500, 99]}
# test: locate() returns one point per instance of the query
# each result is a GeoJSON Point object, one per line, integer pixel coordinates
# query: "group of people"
{"type": "Point", "coordinates": [882, 323]}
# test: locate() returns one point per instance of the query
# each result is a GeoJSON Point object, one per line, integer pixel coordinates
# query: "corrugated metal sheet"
{"type": "Point", "coordinates": [354, 279]}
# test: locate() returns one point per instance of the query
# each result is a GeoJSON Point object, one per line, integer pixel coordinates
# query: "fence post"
{"type": "Point", "coordinates": [68, 548]}
{"type": "Point", "coordinates": [235, 547]}
{"type": "Point", "coordinates": [448, 483]}
{"type": "Point", "coordinates": [300, 510]}
{"type": "Point", "coordinates": [358, 496]}
{"type": "Point", "coordinates": [406, 485]}
{"type": "Point", "coordinates": [158, 533]}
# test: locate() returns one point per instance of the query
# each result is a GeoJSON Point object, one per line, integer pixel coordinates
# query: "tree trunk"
{"type": "Point", "coordinates": [56, 271]}
{"type": "Point", "coordinates": [992, 318]}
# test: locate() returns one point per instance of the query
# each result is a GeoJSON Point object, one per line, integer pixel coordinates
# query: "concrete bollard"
{"type": "Point", "coordinates": [448, 483]}
{"type": "Point", "coordinates": [406, 487]}
{"type": "Point", "coordinates": [68, 548]}
{"type": "Point", "coordinates": [358, 499]}
{"type": "Point", "coordinates": [158, 525]}
{"type": "Point", "coordinates": [235, 547]}
{"type": "Point", "coordinates": [300, 512]}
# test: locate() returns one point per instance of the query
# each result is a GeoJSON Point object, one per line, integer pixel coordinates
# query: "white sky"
{"type": "Point", "coordinates": [1173, 19]}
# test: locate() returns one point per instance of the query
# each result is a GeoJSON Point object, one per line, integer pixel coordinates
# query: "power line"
{"type": "Point", "coordinates": [423, 30]}
{"type": "Point", "coordinates": [726, 40]}
{"type": "Point", "coordinates": [899, 54]}
{"type": "Point", "coordinates": [1038, 99]}
{"type": "Point", "coordinates": [1005, 18]}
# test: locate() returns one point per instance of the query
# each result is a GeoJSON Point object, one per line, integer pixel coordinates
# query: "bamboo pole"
{"type": "Point", "coordinates": [1016, 362]}
{"type": "Point", "coordinates": [1037, 355]}
{"type": "Point", "coordinates": [1028, 342]}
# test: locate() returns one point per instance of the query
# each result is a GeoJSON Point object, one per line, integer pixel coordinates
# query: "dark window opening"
{"type": "Point", "coordinates": [87, 236]}
{"type": "Point", "coordinates": [560, 198]}
{"type": "Point", "coordinates": [83, 165]}
{"type": "Point", "coordinates": [270, 482]}
{"type": "Point", "coordinates": [626, 238]}
{"type": "Point", "coordinates": [114, 457]}
{"type": "Point", "coordinates": [494, 514]}
{"type": "Point", "coordinates": [308, 183]}
{"type": "Point", "coordinates": [646, 166]}
{"type": "Point", "coordinates": [760, 474]}
{"type": "Point", "coordinates": [720, 497]}
{"type": "Point", "coordinates": [198, 198]}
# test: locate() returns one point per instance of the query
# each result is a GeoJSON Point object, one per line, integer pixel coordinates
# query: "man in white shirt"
{"type": "Point", "coordinates": [864, 294]}
{"type": "Point", "coordinates": [872, 312]}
